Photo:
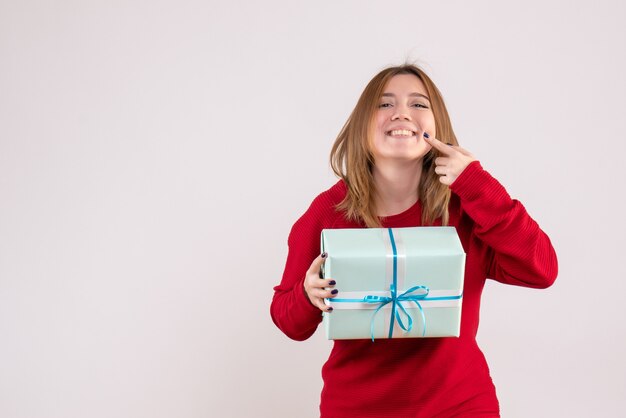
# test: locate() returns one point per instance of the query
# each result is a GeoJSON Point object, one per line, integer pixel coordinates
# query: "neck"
{"type": "Point", "coordinates": [396, 186]}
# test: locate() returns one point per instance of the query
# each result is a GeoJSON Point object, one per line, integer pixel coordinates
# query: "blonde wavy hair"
{"type": "Point", "coordinates": [351, 158]}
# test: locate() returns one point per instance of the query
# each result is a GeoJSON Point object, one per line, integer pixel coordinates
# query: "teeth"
{"type": "Point", "coordinates": [401, 132]}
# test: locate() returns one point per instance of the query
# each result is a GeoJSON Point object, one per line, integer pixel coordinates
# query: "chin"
{"type": "Point", "coordinates": [413, 156]}
{"type": "Point", "coordinates": [403, 154]}
{"type": "Point", "coordinates": [404, 158]}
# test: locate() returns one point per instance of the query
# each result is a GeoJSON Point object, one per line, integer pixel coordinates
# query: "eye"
{"type": "Point", "coordinates": [385, 105]}
{"type": "Point", "coordinates": [419, 105]}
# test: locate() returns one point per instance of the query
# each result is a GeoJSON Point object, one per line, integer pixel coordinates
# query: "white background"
{"type": "Point", "coordinates": [154, 155]}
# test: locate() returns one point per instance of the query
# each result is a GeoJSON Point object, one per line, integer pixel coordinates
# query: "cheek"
{"type": "Point", "coordinates": [433, 131]}
{"type": "Point", "coordinates": [429, 125]}
{"type": "Point", "coordinates": [380, 118]}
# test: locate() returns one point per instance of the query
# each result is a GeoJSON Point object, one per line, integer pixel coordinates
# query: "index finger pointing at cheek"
{"type": "Point", "coordinates": [440, 146]}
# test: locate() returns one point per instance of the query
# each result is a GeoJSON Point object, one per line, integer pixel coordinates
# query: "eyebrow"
{"type": "Point", "coordinates": [410, 95]}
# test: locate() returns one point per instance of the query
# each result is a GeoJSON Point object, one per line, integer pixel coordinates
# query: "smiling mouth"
{"type": "Point", "coordinates": [400, 132]}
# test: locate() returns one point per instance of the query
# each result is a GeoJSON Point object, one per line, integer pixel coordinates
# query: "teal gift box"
{"type": "Point", "coordinates": [394, 282]}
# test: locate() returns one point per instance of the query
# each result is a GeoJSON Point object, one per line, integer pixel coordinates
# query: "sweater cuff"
{"type": "Point", "coordinates": [474, 182]}
{"type": "Point", "coordinates": [303, 304]}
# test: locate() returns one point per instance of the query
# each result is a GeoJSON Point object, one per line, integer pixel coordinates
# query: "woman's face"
{"type": "Point", "coordinates": [403, 115]}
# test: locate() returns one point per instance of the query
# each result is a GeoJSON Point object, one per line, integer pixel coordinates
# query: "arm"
{"type": "Point", "coordinates": [519, 252]}
{"type": "Point", "coordinates": [290, 309]}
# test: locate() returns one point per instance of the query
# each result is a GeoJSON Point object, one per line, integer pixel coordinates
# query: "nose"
{"type": "Point", "coordinates": [401, 112]}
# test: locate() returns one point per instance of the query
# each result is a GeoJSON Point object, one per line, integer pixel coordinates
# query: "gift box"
{"type": "Point", "coordinates": [394, 282]}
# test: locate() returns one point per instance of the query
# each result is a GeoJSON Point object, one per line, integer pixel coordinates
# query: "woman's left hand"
{"type": "Point", "coordinates": [454, 161]}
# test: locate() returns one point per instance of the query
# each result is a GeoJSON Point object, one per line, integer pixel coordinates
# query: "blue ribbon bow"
{"type": "Point", "coordinates": [396, 300]}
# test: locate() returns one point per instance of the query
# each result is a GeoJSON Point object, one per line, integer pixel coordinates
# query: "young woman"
{"type": "Point", "coordinates": [400, 165]}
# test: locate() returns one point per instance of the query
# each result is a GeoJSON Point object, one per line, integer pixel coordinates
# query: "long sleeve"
{"type": "Point", "coordinates": [290, 309]}
{"type": "Point", "coordinates": [519, 252]}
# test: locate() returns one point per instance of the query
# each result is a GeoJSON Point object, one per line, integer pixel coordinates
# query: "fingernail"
{"type": "Point", "coordinates": [426, 135]}
{"type": "Point", "coordinates": [330, 308]}
{"type": "Point", "coordinates": [324, 254]}
{"type": "Point", "coordinates": [332, 282]}
{"type": "Point", "coordinates": [334, 291]}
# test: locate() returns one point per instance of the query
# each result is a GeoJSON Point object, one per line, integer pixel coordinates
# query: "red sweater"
{"type": "Point", "coordinates": [419, 377]}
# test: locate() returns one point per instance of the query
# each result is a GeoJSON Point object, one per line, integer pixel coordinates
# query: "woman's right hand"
{"type": "Point", "coordinates": [314, 286]}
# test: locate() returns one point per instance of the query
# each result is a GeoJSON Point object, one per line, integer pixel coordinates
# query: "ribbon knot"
{"type": "Point", "coordinates": [397, 302]}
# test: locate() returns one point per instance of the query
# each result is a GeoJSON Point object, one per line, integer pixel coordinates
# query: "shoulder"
{"type": "Point", "coordinates": [323, 208]}
{"type": "Point", "coordinates": [322, 212]}
{"type": "Point", "coordinates": [330, 198]}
